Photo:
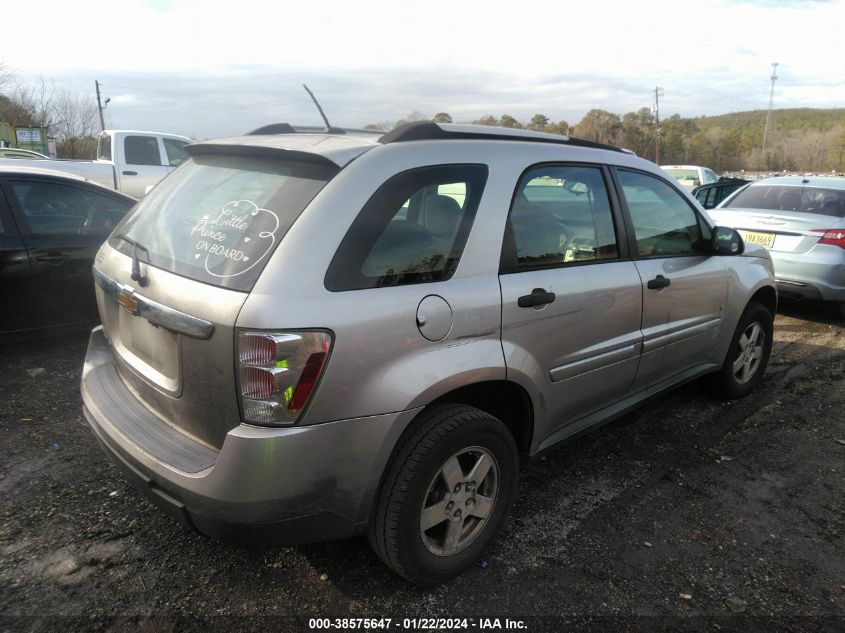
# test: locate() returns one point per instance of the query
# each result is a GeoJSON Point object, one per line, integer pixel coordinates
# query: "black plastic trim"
{"type": "Point", "coordinates": [258, 151]}
{"type": "Point", "coordinates": [273, 128]}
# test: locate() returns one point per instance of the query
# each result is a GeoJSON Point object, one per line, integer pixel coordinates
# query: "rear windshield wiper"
{"type": "Point", "coordinates": [136, 275]}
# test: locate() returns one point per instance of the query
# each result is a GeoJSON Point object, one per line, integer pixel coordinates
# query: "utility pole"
{"type": "Point", "coordinates": [658, 92]}
{"type": "Point", "coordinates": [771, 101]}
{"type": "Point", "coordinates": [100, 106]}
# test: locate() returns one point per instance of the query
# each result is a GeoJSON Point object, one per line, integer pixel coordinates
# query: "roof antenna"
{"type": "Point", "coordinates": [329, 128]}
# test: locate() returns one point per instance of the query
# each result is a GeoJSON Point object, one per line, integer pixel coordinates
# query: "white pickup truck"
{"type": "Point", "coordinates": [127, 160]}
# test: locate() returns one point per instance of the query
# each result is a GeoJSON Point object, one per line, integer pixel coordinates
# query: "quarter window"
{"type": "Point", "coordinates": [142, 150]}
{"type": "Point", "coordinates": [560, 215]}
{"type": "Point", "coordinates": [664, 224]}
{"type": "Point", "coordinates": [413, 229]}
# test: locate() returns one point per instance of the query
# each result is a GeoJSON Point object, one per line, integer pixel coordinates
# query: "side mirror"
{"type": "Point", "coordinates": [726, 241]}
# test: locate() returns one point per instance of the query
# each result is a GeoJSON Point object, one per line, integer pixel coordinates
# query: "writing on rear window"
{"type": "Point", "coordinates": [219, 218]}
{"type": "Point", "coordinates": [236, 239]}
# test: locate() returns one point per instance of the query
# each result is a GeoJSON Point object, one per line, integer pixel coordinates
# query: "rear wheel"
{"type": "Point", "coordinates": [446, 494]}
{"type": "Point", "coordinates": [748, 354]}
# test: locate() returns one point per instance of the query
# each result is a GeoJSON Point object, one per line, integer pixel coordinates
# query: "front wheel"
{"type": "Point", "coordinates": [446, 494]}
{"type": "Point", "coordinates": [748, 354]}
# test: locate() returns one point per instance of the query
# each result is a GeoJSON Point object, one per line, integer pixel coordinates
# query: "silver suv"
{"type": "Point", "coordinates": [312, 336]}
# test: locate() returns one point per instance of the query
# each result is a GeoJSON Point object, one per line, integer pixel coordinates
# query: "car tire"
{"type": "Point", "coordinates": [748, 354]}
{"type": "Point", "coordinates": [433, 519]}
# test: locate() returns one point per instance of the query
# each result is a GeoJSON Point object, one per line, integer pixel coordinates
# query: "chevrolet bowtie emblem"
{"type": "Point", "coordinates": [128, 302]}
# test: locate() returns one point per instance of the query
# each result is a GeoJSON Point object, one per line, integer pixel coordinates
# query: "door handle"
{"type": "Point", "coordinates": [129, 173]}
{"type": "Point", "coordinates": [52, 258]}
{"type": "Point", "coordinates": [658, 282]}
{"type": "Point", "coordinates": [538, 297]}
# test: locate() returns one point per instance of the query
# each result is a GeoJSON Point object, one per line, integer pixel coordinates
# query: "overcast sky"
{"type": "Point", "coordinates": [213, 68]}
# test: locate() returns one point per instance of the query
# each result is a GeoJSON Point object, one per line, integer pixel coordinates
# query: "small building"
{"type": "Point", "coordinates": [23, 137]}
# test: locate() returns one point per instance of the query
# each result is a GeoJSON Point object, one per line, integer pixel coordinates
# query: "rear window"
{"type": "Point", "coordinates": [683, 174]}
{"type": "Point", "coordinates": [104, 147]}
{"type": "Point", "coordinates": [792, 198]}
{"type": "Point", "coordinates": [218, 218]}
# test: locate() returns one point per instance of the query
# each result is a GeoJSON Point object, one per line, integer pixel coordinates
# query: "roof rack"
{"type": "Point", "coordinates": [287, 128]}
{"type": "Point", "coordinates": [428, 131]}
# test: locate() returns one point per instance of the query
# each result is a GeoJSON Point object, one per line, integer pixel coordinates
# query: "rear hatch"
{"type": "Point", "coordinates": [783, 218]}
{"type": "Point", "coordinates": [199, 240]}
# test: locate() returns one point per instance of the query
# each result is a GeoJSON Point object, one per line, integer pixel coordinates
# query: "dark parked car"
{"type": "Point", "coordinates": [711, 195]}
{"type": "Point", "coordinates": [51, 225]}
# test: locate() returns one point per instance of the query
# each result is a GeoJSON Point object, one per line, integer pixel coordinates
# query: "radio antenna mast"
{"type": "Point", "coordinates": [329, 128]}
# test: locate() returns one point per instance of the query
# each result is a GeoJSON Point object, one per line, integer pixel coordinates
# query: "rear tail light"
{"type": "Point", "coordinates": [835, 237]}
{"type": "Point", "coordinates": [278, 372]}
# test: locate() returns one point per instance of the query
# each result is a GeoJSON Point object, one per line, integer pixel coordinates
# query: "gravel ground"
{"type": "Point", "coordinates": [689, 514]}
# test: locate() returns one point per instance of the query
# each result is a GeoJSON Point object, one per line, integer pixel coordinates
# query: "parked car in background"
{"type": "Point", "coordinates": [691, 176]}
{"type": "Point", "coordinates": [14, 152]}
{"type": "Point", "coordinates": [309, 336]}
{"type": "Point", "coordinates": [127, 160]}
{"type": "Point", "coordinates": [51, 225]}
{"type": "Point", "coordinates": [801, 220]}
{"type": "Point", "coordinates": [712, 194]}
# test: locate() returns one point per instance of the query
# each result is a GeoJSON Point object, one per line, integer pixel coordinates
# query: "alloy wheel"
{"type": "Point", "coordinates": [459, 501]}
{"type": "Point", "coordinates": [749, 352]}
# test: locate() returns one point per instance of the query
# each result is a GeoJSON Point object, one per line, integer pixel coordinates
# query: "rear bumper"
{"type": "Point", "coordinates": [264, 486]}
{"type": "Point", "coordinates": [818, 274]}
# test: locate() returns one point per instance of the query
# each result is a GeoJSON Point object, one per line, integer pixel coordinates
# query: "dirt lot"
{"type": "Point", "coordinates": [689, 514]}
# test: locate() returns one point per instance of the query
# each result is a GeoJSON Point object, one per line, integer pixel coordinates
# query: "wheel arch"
{"type": "Point", "coordinates": [503, 399]}
{"type": "Point", "coordinates": [766, 296]}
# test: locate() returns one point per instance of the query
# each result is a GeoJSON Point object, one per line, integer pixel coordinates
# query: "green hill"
{"type": "Point", "coordinates": [803, 139]}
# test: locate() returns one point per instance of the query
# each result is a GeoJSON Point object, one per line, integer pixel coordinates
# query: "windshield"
{"type": "Point", "coordinates": [792, 198]}
{"type": "Point", "coordinates": [218, 218]}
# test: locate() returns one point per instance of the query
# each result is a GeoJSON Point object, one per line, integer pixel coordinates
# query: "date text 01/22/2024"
{"type": "Point", "coordinates": [416, 624]}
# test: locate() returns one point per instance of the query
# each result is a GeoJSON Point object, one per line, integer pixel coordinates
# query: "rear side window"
{"type": "Point", "coordinates": [664, 224]}
{"type": "Point", "coordinates": [792, 198]}
{"type": "Point", "coordinates": [413, 229]}
{"type": "Point", "coordinates": [218, 218]}
{"type": "Point", "coordinates": [53, 208]}
{"type": "Point", "coordinates": [560, 215]}
{"type": "Point", "coordinates": [142, 150]}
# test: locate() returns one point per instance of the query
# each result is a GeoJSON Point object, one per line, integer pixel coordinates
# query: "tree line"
{"type": "Point", "coordinates": [799, 139]}
{"type": "Point", "coordinates": [71, 118]}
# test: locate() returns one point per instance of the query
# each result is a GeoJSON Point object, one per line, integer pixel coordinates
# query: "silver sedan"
{"type": "Point", "coordinates": [801, 220]}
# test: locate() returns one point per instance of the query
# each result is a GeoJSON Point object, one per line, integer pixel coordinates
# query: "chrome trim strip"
{"type": "Point", "coordinates": [662, 339]}
{"type": "Point", "coordinates": [592, 363]}
{"type": "Point", "coordinates": [788, 282]}
{"type": "Point", "coordinates": [154, 312]}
